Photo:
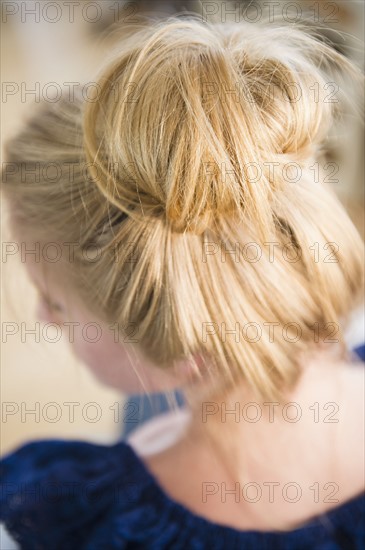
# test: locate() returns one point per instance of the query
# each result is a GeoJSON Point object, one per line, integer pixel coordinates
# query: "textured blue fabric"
{"type": "Point", "coordinates": [72, 495]}
{"type": "Point", "coordinates": [69, 495]}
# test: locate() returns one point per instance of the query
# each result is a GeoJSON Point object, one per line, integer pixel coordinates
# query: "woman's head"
{"type": "Point", "coordinates": [184, 201]}
{"type": "Point", "coordinates": [109, 352]}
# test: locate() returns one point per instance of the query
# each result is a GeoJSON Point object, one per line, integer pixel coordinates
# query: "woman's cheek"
{"type": "Point", "coordinates": [93, 354]}
{"type": "Point", "coordinates": [46, 315]}
{"type": "Point", "coordinates": [109, 363]}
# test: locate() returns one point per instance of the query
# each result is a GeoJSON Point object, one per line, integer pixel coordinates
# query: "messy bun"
{"type": "Point", "coordinates": [198, 145]}
{"type": "Point", "coordinates": [186, 110]}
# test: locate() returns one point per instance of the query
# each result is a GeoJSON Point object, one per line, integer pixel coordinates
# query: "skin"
{"type": "Point", "coordinates": [279, 452]}
{"type": "Point", "coordinates": [114, 363]}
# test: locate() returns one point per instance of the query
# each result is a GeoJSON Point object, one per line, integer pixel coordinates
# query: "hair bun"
{"type": "Point", "coordinates": [186, 107]}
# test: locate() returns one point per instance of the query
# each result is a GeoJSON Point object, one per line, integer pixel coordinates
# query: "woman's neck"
{"type": "Point", "coordinates": [244, 463]}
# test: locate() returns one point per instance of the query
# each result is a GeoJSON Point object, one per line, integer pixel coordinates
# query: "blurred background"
{"type": "Point", "coordinates": [45, 45]}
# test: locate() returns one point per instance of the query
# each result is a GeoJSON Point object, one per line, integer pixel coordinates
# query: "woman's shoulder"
{"type": "Point", "coordinates": [58, 493]}
{"type": "Point", "coordinates": [58, 460]}
{"type": "Point", "coordinates": [49, 471]}
{"type": "Point", "coordinates": [54, 493]}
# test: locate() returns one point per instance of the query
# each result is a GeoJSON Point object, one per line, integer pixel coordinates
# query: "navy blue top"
{"type": "Point", "coordinates": [72, 495]}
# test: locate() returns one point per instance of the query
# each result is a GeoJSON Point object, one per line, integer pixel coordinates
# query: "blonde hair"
{"type": "Point", "coordinates": [189, 151]}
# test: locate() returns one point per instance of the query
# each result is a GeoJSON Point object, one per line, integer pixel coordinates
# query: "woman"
{"type": "Point", "coordinates": [195, 236]}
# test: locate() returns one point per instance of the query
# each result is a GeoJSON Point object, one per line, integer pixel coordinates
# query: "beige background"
{"type": "Point", "coordinates": [43, 372]}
